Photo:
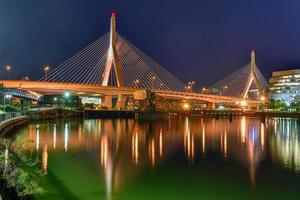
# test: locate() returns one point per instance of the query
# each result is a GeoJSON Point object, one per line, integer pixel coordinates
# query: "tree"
{"type": "Point", "coordinates": [277, 105]}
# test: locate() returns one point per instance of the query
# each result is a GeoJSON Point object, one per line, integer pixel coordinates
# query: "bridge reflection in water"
{"type": "Point", "coordinates": [123, 149]}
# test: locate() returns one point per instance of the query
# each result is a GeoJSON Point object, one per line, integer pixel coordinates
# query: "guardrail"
{"type": "Point", "coordinates": [4, 117]}
{"type": "Point", "coordinates": [51, 108]}
{"type": "Point", "coordinates": [42, 109]}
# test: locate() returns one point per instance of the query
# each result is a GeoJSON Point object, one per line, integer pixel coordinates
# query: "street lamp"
{"type": "Point", "coordinates": [7, 96]}
{"type": "Point", "coordinates": [8, 69]}
{"type": "Point", "coordinates": [66, 94]}
{"type": "Point", "coordinates": [136, 82]}
{"type": "Point", "coordinates": [223, 88]}
{"type": "Point", "coordinates": [46, 69]}
{"type": "Point", "coordinates": [190, 86]}
{"type": "Point", "coordinates": [66, 98]}
{"type": "Point", "coordinates": [152, 81]}
{"type": "Point", "coordinates": [25, 78]}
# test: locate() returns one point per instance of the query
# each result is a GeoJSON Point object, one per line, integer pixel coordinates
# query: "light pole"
{"type": "Point", "coordinates": [66, 97]}
{"type": "Point", "coordinates": [136, 82]}
{"type": "Point", "coordinates": [8, 69]}
{"type": "Point", "coordinates": [152, 81]}
{"type": "Point", "coordinates": [8, 96]}
{"type": "Point", "coordinates": [190, 86]}
{"type": "Point", "coordinates": [3, 101]}
{"type": "Point", "coordinates": [25, 78]}
{"type": "Point", "coordinates": [46, 69]}
{"type": "Point", "coordinates": [223, 89]}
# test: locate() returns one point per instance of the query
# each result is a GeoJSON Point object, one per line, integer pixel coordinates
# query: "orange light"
{"type": "Point", "coordinates": [46, 68]}
{"type": "Point", "coordinates": [186, 106]}
{"type": "Point", "coordinates": [243, 103]}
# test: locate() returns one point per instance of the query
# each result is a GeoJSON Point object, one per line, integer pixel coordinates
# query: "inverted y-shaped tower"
{"type": "Point", "coordinates": [252, 77]}
{"type": "Point", "coordinates": [112, 57]}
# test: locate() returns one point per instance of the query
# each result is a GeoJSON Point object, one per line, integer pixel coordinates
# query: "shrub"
{"type": "Point", "coordinates": [19, 169]}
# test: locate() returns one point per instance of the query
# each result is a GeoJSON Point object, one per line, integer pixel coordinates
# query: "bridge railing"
{"type": "Point", "coordinates": [4, 117]}
{"type": "Point", "coordinates": [42, 108]}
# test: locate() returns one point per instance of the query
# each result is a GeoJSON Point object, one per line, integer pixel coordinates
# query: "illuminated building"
{"type": "Point", "coordinates": [285, 85]}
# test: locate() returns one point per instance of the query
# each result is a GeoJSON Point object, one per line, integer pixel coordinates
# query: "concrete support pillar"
{"type": "Point", "coordinates": [211, 106]}
{"type": "Point", "coordinates": [121, 102]}
{"type": "Point", "coordinates": [108, 102]}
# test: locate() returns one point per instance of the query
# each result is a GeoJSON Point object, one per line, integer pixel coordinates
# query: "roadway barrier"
{"type": "Point", "coordinates": [8, 116]}
{"type": "Point", "coordinates": [10, 122]}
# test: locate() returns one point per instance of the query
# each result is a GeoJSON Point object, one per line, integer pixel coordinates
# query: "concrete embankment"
{"type": "Point", "coordinates": [10, 125]}
{"type": "Point", "coordinates": [229, 113]}
{"type": "Point", "coordinates": [115, 114]}
{"type": "Point", "coordinates": [200, 113]}
{"type": "Point", "coordinates": [112, 114]}
{"type": "Point", "coordinates": [55, 113]}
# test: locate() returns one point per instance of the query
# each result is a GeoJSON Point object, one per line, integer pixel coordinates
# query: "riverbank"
{"type": "Point", "coordinates": [10, 125]}
{"type": "Point", "coordinates": [53, 113]}
{"type": "Point", "coordinates": [236, 113]}
{"type": "Point", "coordinates": [7, 127]}
{"type": "Point", "coordinates": [113, 114]}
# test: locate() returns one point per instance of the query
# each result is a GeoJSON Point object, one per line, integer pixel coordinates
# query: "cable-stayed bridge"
{"type": "Point", "coordinates": [112, 66]}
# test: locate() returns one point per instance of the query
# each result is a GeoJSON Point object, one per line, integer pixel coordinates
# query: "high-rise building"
{"type": "Point", "coordinates": [285, 85]}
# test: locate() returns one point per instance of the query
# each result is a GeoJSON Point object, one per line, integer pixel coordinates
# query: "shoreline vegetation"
{"type": "Point", "coordinates": [20, 171]}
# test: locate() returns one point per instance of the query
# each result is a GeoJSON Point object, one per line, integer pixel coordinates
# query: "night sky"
{"type": "Point", "coordinates": [202, 40]}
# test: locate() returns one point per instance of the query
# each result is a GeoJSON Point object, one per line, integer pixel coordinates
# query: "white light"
{"type": "Point", "coordinates": [67, 94]}
{"type": "Point", "coordinates": [221, 107]}
{"type": "Point", "coordinates": [66, 138]}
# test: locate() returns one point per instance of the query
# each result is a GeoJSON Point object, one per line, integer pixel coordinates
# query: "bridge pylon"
{"type": "Point", "coordinates": [245, 83]}
{"type": "Point", "coordinates": [113, 57]}
{"type": "Point", "coordinates": [252, 77]}
{"type": "Point", "coordinates": [114, 60]}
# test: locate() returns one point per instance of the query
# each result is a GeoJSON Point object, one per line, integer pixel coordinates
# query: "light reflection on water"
{"type": "Point", "coordinates": [284, 143]}
{"type": "Point", "coordinates": [124, 147]}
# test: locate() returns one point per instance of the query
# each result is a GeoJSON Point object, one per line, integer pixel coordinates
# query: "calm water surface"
{"type": "Point", "coordinates": [177, 159]}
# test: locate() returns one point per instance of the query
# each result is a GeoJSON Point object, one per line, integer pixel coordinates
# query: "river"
{"type": "Point", "coordinates": [175, 159]}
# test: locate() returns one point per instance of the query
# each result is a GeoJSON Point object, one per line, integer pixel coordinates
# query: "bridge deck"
{"type": "Point", "coordinates": [48, 88]}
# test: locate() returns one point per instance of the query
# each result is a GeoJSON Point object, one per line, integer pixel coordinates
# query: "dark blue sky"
{"type": "Point", "coordinates": [201, 40]}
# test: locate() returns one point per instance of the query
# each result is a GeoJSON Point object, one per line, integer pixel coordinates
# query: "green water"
{"type": "Point", "coordinates": [177, 159]}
